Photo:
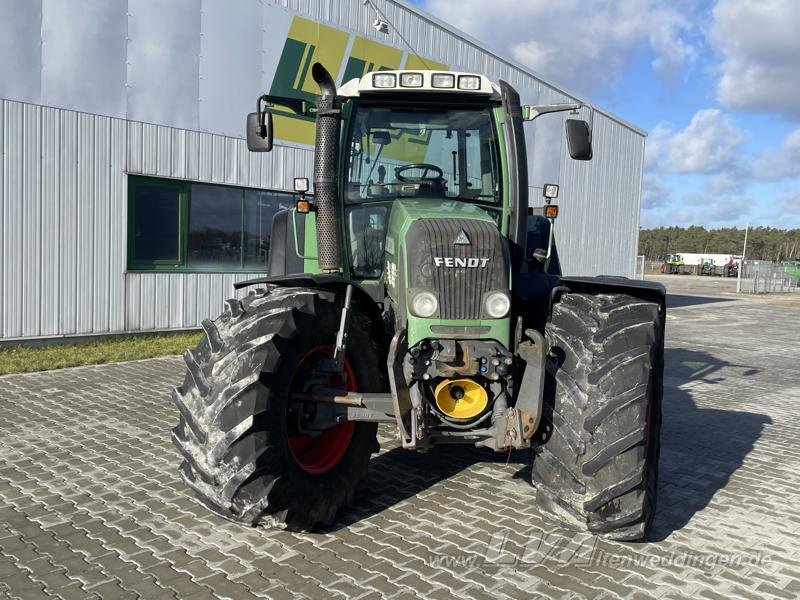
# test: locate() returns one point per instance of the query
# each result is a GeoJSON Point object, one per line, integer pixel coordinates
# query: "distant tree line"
{"type": "Point", "coordinates": [763, 243]}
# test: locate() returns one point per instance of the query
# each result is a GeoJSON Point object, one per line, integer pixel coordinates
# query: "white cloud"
{"type": "Point", "coordinates": [655, 192]}
{"type": "Point", "coordinates": [792, 203]}
{"type": "Point", "coordinates": [781, 162]}
{"type": "Point", "coordinates": [582, 44]}
{"type": "Point", "coordinates": [726, 182]}
{"type": "Point", "coordinates": [760, 46]}
{"type": "Point", "coordinates": [715, 209]}
{"type": "Point", "coordinates": [708, 144]}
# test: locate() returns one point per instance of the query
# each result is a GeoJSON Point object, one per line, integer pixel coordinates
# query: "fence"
{"type": "Point", "coordinates": [765, 277]}
{"type": "Point", "coordinates": [640, 266]}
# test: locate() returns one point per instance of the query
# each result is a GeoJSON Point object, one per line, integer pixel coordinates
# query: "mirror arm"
{"type": "Point", "coordinates": [530, 112]}
{"type": "Point", "coordinates": [262, 114]}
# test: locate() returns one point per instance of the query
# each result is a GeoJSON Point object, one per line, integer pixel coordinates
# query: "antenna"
{"type": "Point", "coordinates": [382, 24]}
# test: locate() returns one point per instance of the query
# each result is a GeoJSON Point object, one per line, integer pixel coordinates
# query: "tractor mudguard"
{"type": "Point", "coordinates": [533, 349]}
{"type": "Point", "coordinates": [611, 284]}
{"type": "Point", "coordinates": [325, 281]}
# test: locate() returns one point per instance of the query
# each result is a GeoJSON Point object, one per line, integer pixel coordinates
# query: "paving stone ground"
{"type": "Point", "coordinates": [91, 504]}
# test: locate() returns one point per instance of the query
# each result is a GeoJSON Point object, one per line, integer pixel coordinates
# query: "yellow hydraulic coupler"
{"type": "Point", "coordinates": [460, 398]}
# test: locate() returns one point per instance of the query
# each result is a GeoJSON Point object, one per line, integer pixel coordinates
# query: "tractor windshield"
{"type": "Point", "coordinates": [423, 153]}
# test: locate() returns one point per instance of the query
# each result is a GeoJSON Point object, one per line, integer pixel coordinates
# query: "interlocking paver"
{"type": "Point", "coordinates": [91, 504]}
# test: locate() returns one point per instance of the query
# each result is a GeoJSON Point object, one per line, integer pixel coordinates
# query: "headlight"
{"type": "Point", "coordinates": [424, 304]}
{"type": "Point", "coordinates": [497, 305]}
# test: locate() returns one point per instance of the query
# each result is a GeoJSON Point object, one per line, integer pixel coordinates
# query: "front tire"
{"type": "Point", "coordinates": [242, 456]}
{"type": "Point", "coordinates": [596, 456]}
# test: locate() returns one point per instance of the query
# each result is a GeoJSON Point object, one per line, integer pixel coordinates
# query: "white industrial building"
{"type": "Point", "coordinates": [122, 126]}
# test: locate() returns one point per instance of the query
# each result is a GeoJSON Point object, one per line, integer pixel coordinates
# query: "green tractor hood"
{"type": "Point", "coordinates": [454, 250]}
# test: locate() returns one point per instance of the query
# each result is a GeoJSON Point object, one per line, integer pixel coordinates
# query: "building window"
{"type": "Point", "coordinates": [186, 226]}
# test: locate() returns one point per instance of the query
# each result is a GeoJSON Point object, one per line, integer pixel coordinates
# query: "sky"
{"type": "Point", "coordinates": [714, 83]}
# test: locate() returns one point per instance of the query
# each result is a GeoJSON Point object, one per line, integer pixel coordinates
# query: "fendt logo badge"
{"type": "Point", "coordinates": [450, 261]}
{"type": "Point", "coordinates": [462, 239]}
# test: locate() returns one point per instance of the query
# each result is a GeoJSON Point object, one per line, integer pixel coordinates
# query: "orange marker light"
{"type": "Point", "coordinates": [303, 206]}
{"type": "Point", "coordinates": [551, 211]}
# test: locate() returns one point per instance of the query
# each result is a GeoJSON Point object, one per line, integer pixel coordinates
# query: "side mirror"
{"type": "Point", "coordinates": [579, 139]}
{"type": "Point", "coordinates": [259, 131]}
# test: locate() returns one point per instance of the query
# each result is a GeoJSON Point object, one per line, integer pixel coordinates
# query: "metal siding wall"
{"type": "Point", "coordinates": [13, 240]}
{"type": "Point", "coordinates": [63, 220]}
{"type": "Point", "coordinates": [63, 209]}
{"type": "Point", "coordinates": [3, 250]}
{"type": "Point", "coordinates": [67, 234]}
{"type": "Point", "coordinates": [85, 230]}
{"type": "Point", "coordinates": [31, 201]}
{"type": "Point", "coordinates": [102, 224]}
{"type": "Point", "coordinates": [51, 221]}
{"type": "Point", "coordinates": [180, 300]}
{"type": "Point", "coordinates": [118, 202]}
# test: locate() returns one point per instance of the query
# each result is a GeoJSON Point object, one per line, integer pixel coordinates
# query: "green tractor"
{"type": "Point", "coordinates": [417, 289]}
{"type": "Point", "coordinates": [707, 267]}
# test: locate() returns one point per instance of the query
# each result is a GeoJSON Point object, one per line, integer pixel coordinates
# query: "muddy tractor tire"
{"type": "Point", "coordinates": [237, 433]}
{"type": "Point", "coordinates": [596, 453]}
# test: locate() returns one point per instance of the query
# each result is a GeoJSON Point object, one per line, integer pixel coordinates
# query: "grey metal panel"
{"type": "Point", "coordinates": [599, 203]}
{"type": "Point", "coordinates": [2, 221]}
{"type": "Point", "coordinates": [162, 301]}
{"type": "Point", "coordinates": [135, 146]}
{"type": "Point", "coordinates": [133, 301]}
{"type": "Point", "coordinates": [274, 23]}
{"type": "Point", "coordinates": [150, 149]}
{"type": "Point", "coordinates": [165, 151]}
{"type": "Point", "coordinates": [230, 64]}
{"type": "Point", "coordinates": [50, 305]}
{"type": "Point", "coordinates": [13, 201]}
{"type": "Point", "coordinates": [192, 155]}
{"type": "Point", "coordinates": [190, 297]}
{"type": "Point", "coordinates": [31, 205]}
{"type": "Point", "coordinates": [178, 141]}
{"type": "Point", "coordinates": [119, 224]}
{"type": "Point", "coordinates": [21, 50]}
{"type": "Point", "coordinates": [84, 55]}
{"type": "Point", "coordinates": [67, 236]}
{"type": "Point", "coordinates": [86, 224]}
{"type": "Point", "coordinates": [163, 58]}
{"type": "Point", "coordinates": [205, 167]}
{"type": "Point", "coordinates": [101, 236]}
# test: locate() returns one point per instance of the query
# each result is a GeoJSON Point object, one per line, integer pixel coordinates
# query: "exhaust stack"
{"type": "Point", "coordinates": [326, 158]}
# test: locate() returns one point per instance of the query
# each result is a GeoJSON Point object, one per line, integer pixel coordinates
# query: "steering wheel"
{"type": "Point", "coordinates": [425, 167]}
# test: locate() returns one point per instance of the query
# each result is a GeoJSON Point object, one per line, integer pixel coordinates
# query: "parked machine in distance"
{"type": "Point", "coordinates": [672, 264]}
{"type": "Point", "coordinates": [707, 267]}
{"type": "Point", "coordinates": [417, 289]}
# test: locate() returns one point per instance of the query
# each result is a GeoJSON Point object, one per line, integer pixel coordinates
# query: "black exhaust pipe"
{"type": "Point", "coordinates": [326, 160]}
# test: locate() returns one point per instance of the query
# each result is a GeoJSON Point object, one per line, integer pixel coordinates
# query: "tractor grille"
{"type": "Point", "coordinates": [460, 288]}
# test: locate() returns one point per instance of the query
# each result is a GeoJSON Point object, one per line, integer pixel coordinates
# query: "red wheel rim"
{"type": "Point", "coordinates": [319, 454]}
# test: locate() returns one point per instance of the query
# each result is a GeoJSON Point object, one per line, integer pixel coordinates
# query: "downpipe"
{"type": "Point", "coordinates": [326, 160]}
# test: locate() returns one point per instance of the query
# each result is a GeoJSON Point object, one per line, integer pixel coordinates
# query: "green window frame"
{"type": "Point", "coordinates": [183, 226]}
